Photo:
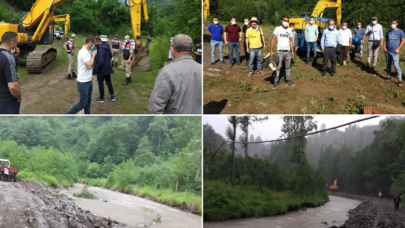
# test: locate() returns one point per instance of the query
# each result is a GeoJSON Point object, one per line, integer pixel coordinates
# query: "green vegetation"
{"type": "Point", "coordinates": [156, 157]}
{"type": "Point", "coordinates": [85, 193]}
{"type": "Point", "coordinates": [270, 11]}
{"type": "Point", "coordinates": [258, 186]}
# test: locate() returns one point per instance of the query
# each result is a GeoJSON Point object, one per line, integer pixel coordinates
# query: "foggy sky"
{"type": "Point", "coordinates": [271, 129]}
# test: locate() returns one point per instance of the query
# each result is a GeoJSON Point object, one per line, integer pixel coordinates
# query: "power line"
{"type": "Point", "coordinates": [296, 136]}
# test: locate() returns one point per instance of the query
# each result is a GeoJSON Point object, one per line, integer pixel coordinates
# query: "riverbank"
{"type": "Point", "coordinates": [224, 202]}
{"type": "Point", "coordinates": [184, 201]}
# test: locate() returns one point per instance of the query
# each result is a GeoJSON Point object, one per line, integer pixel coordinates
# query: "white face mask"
{"type": "Point", "coordinates": [12, 50]}
{"type": "Point", "coordinates": [246, 23]}
{"type": "Point", "coordinates": [233, 22]}
{"type": "Point", "coordinates": [393, 26]}
{"type": "Point", "coordinates": [285, 24]}
{"type": "Point", "coordinates": [216, 22]}
{"type": "Point", "coordinates": [374, 22]}
{"type": "Point", "coordinates": [331, 27]}
{"type": "Point", "coordinates": [311, 22]}
{"type": "Point", "coordinates": [344, 27]}
{"type": "Point", "coordinates": [292, 28]}
{"type": "Point", "coordinates": [358, 26]}
{"type": "Point", "coordinates": [254, 25]}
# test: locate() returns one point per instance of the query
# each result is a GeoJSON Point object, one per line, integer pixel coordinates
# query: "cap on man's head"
{"type": "Point", "coordinates": [126, 37]}
{"type": "Point", "coordinates": [116, 35]}
{"type": "Point", "coordinates": [374, 18]}
{"type": "Point", "coordinates": [254, 19]}
{"type": "Point", "coordinates": [73, 35]}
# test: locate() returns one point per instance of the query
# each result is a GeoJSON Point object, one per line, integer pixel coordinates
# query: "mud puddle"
{"type": "Point", "coordinates": [334, 212]}
{"type": "Point", "coordinates": [133, 210]}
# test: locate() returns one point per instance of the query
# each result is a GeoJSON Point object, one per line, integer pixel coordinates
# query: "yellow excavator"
{"type": "Point", "coordinates": [318, 14]}
{"type": "Point", "coordinates": [334, 186]}
{"type": "Point", "coordinates": [206, 9]}
{"type": "Point", "coordinates": [33, 31]}
{"type": "Point", "coordinates": [61, 18]}
{"type": "Point", "coordinates": [141, 60]}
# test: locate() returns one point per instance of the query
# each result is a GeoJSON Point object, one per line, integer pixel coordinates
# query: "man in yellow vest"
{"type": "Point", "coordinates": [379, 195]}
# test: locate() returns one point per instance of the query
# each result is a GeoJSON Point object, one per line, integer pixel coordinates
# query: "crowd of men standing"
{"type": "Point", "coordinates": [335, 45]}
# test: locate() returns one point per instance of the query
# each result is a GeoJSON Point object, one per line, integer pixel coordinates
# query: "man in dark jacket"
{"type": "Point", "coordinates": [103, 69]}
{"type": "Point", "coordinates": [397, 200]}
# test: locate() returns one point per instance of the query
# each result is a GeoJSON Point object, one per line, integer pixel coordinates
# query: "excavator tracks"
{"type": "Point", "coordinates": [40, 59]}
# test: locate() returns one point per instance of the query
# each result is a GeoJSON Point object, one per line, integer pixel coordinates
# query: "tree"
{"type": "Point", "coordinates": [231, 134]}
{"type": "Point", "coordinates": [144, 155]}
{"type": "Point", "coordinates": [244, 123]}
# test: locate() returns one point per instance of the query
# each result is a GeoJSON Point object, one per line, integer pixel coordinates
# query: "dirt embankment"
{"type": "Point", "coordinates": [372, 212]}
{"type": "Point", "coordinates": [29, 204]}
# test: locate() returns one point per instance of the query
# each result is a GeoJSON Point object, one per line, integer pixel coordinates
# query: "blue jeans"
{"type": "Point", "coordinates": [255, 53]}
{"type": "Point", "coordinates": [215, 43]}
{"type": "Point", "coordinates": [311, 46]}
{"type": "Point", "coordinates": [85, 91]}
{"type": "Point", "coordinates": [12, 107]}
{"type": "Point", "coordinates": [393, 58]}
{"type": "Point", "coordinates": [107, 79]}
{"type": "Point", "coordinates": [231, 46]}
{"type": "Point", "coordinates": [360, 50]}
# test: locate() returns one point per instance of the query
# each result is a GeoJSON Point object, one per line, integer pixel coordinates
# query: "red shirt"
{"type": "Point", "coordinates": [233, 32]}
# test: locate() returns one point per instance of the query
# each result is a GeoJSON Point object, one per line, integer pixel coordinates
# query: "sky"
{"type": "Point", "coordinates": [271, 129]}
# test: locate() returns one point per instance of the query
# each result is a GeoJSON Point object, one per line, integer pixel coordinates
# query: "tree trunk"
{"type": "Point", "coordinates": [244, 171]}
{"type": "Point", "coordinates": [233, 157]}
{"type": "Point", "coordinates": [198, 174]}
{"type": "Point", "coordinates": [177, 185]}
{"type": "Point", "coordinates": [160, 134]}
{"type": "Point", "coordinates": [206, 165]}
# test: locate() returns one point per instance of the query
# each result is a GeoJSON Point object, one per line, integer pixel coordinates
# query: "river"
{"type": "Point", "coordinates": [132, 210]}
{"type": "Point", "coordinates": [333, 212]}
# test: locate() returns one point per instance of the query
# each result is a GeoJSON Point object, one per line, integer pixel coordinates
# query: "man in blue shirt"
{"type": "Point", "coordinates": [216, 30]}
{"type": "Point", "coordinates": [360, 33]}
{"type": "Point", "coordinates": [330, 40]}
{"type": "Point", "coordinates": [394, 40]}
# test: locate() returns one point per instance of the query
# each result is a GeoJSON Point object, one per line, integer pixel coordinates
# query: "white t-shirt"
{"type": "Point", "coordinates": [83, 74]}
{"type": "Point", "coordinates": [345, 36]}
{"type": "Point", "coordinates": [283, 38]}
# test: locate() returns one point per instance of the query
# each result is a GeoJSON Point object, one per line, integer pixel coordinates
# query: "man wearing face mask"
{"type": "Point", "coordinates": [216, 30]}
{"type": "Point", "coordinates": [170, 51]}
{"type": "Point", "coordinates": [255, 42]}
{"type": "Point", "coordinates": [346, 37]}
{"type": "Point", "coordinates": [311, 36]}
{"type": "Point", "coordinates": [360, 33]}
{"type": "Point", "coordinates": [128, 50]}
{"type": "Point", "coordinates": [375, 35]}
{"type": "Point", "coordinates": [234, 35]}
{"type": "Point", "coordinates": [285, 50]}
{"type": "Point", "coordinates": [85, 63]}
{"type": "Point", "coordinates": [244, 29]}
{"type": "Point", "coordinates": [394, 40]}
{"type": "Point", "coordinates": [177, 88]}
{"type": "Point", "coordinates": [70, 49]}
{"type": "Point", "coordinates": [329, 41]}
{"type": "Point", "coordinates": [10, 94]}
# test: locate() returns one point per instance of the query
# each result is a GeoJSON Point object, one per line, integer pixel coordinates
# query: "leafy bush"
{"type": "Point", "coordinates": [85, 193]}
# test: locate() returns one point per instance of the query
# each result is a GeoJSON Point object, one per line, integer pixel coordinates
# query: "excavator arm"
{"type": "Point", "coordinates": [135, 7]}
{"type": "Point", "coordinates": [323, 4]}
{"type": "Point", "coordinates": [63, 18]}
{"type": "Point", "coordinates": [206, 9]}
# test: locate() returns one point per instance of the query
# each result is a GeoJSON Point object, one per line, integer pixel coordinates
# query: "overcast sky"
{"type": "Point", "coordinates": [271, 129]}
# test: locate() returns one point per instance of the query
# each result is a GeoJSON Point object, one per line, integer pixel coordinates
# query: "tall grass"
{"type": "Point", "coordinates": [44, 178]}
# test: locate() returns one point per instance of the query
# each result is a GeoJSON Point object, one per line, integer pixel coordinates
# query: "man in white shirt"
{"type": "Point", "coordinates": [285, 47]}
{"type": "Point", "coordinates": [375, 33]}
{"type": "Point", "coordinates": [346, 37]}
{"type": "Point", "coordinates": [85, 64]}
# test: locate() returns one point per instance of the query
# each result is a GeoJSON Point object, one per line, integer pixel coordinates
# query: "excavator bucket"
{"type": "Point", "coordinates": [141, 61]}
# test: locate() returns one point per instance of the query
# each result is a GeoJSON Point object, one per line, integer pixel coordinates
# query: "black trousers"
{"type": "Point", "coordinates": [107, 79]}
{"type": "Point", "coordinates": [396, 206]}
{"type": "Point", "coordinates": [12, 107]}
{"type": "Point", "coordinates": [329, 53]}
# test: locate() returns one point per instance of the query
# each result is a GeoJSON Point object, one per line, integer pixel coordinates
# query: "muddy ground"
{"type": "Point", "coordinates": [230, 91]}
{"type": "Point", "coordinates": [30, 204]}
{"type": "Point", "coordinates": [372, 212]}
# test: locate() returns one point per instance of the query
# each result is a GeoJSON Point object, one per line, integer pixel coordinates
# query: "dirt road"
{"type": "Point", "coordinates": [28, 204]}
{"type": "Point", "coordinates": [133, 210]}
{"type": "Point", "coordinates": [373, 212]}
{"type": "Point", "coordinates": [332, 212]}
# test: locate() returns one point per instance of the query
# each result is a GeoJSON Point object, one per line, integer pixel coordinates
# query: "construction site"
{"type": "Point", "coordinates": [354, 89]}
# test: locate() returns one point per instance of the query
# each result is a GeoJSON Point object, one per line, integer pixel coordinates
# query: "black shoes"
{"type": "Point", "coordinates": [127, 81]}
{"type": "Point", "coordinates": [112, 64]}
{"type": "Point", "coordinates": [70, 77]}
{"type": "Point", "coordinates": [275, 86]}
{"type": "Point", "coordinates": [74, 75]}
{"type": "Point", "coordinates": [290, 83]}
{"type": "Point", "coordinates": [116, 64]}
{"type": "Point", "coordinates": [332, 74]}
{"type": "Point", "coordinates": [323, 73]}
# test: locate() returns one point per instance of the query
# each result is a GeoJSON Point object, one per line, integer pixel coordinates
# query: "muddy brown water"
{"type": "Point", "coordinates": [132, 210]}
{"type": "Point", "coordinates": [334, 212]}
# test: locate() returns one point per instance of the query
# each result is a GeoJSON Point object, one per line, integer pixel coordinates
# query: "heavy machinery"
{"type": "Point", "coordinates": [58, 32]}
{"type": "Point", "coordinates": [6, 171]}
{"type": "Point", "coordinates": [206, 9]}
{"type": "Point", "coordinates": [141, 60]}
{"type": "Point", "coordinates": [32, 31]}
{"type": "Point", "coordinates": [334, 186]}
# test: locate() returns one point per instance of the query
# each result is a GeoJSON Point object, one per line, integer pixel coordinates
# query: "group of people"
{"type": "Point", "coordinates": [397, 200]}
{"type": "Point", "coordinates": [177, 88]}
{"type": "Point", "coordinates": [332, 43]}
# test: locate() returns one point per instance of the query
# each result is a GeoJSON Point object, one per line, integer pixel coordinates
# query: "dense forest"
{"type": "Point", "coordinates": [118, 152]}
{"type": "Point", "coordinates": [239, 186]}
{"type": "Point", "coordinates": [270, 11]}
